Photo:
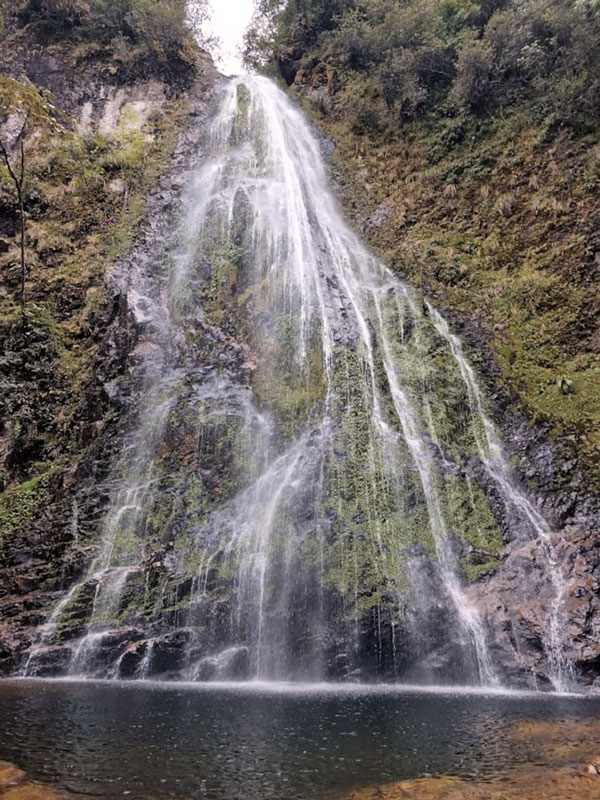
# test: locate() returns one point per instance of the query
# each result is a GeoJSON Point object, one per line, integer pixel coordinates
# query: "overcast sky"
{"type": "Point", "coordinates": [229, 21]}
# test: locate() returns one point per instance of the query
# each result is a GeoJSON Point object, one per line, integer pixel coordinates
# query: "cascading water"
{"type": "Point", "coordinates": [492, 456]}
{"type": "Point", "coordinates": [294, 502]}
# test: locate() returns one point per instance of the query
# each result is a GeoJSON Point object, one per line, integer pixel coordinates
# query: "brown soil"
{"type": "Point", "coordinates": [14, 785]}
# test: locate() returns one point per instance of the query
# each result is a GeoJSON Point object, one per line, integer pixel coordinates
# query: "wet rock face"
{"type": "Point", "coordinates": [6, 658]}
{"type": "Point", "coordinates": [49, 662]}
{"type": "Point", "coordinates": [99, 654]}
{"type": "Point", "coordinates": [43, 548]}
{"type": "Point", "coordinates": [168, 653]}
{"type": "Point", "coordinates": [549, 463]}
{"type": "Point", "coordinates": [132, 660]}
{"type": "Point", "coordinates": [129, 361]}
{"type": "Point", "coordinates": [42, 557]}
{"type": "Point", "coordinates": [557, 485]}
{"type": "Point", "coordinates": [517, 601]}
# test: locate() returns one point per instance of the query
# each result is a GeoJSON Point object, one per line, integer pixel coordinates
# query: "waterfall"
{"type": "Point", "coordinates": [492, 456]}
{"type": "Point", "coordinates": [293, 500]}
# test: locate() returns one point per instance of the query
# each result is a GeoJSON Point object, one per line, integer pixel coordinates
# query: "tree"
{"type": "Point", "coordinates": [283, 25]}
{"type": "Point", "coordinates": [31, 111]}
{"type": "Point", "coordinates": [163, 30]}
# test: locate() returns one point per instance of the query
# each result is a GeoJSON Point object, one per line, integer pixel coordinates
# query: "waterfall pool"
{"type": "Point", "coordinates": [147, 741]}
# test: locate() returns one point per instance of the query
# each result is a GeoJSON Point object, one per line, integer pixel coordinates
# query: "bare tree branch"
{"type": "Point", "coordinates": [6, 157]}
{"type": "Point", "coordinates": [19, 182]}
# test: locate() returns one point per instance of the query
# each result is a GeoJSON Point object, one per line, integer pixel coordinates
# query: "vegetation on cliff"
{"type": "Point", "coordinates": [402, 60]}
{"type": "Point", "coordinates": [83, 193]}
{"type": "Point", "coordinates": [158, 35]}
{"type": "Point", "coordinates": [450, 150]}
{"type": "Point", "coordinates": [467, 140]}
{"type": "Point", "coordinates": [103, 90]}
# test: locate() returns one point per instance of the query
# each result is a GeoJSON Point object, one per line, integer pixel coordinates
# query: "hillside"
{"type": "Point", "coordinates": [233, 442]}
{"type": "Point", "coordinates": [466, 149]}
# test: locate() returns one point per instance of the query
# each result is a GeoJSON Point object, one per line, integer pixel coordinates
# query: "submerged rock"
{"type": "Point", "coordinates": [565, 768]}
{"type": "Point", "coordinates": [10, 775]}
{"type": "Point", "coordinates": [526, 783]}
{"type": "Point", "coordinates": [231, 664]}
{"type": "Point", "coordinates": [14, 785]}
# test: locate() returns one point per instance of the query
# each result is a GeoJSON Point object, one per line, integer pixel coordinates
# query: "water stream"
{"type": "Point", "coordinates": [293, 502]}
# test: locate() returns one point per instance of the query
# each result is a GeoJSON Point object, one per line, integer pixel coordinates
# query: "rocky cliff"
{"type": "Point", "coordinates": [105, 176]}
{"type": "Point", "coordinates": [168, 432]}
{"type": "Point", "coordinates": [488, 204]}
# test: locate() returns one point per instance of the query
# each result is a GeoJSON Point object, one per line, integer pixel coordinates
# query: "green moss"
{"type": "Point", "coordinates": [218, 294]}
{"type": "Point", "coordinates": [492, 228]}
{"type": "Point", "coordinates": [377, 515]}
{"type": "Point", "coordinates": [87, 198]}
{"type": "Point", "coordinates": [240, 126]}
{"type": "Point", "coordinates": [473, 572]}
{"type": "Point", "coordinates": [470, 517]}
{"type": "Point", "coordinates": [125, 545]}
{"type": "Point", "coordinates": [191, 559]}
{"type": "Point", "coordinates": [20, 505]}
{"type": "Point", "coordinates": [293, 392]}
{"type": "Point", "coordinates": [76, 613]}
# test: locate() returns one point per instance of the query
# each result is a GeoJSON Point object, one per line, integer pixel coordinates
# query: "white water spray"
{"type": "Point", "coordinates": [300, 559]}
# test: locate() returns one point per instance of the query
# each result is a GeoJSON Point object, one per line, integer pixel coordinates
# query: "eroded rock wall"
{"type": "Point", "coordinates": [395, 195]}
{"type": "Point", "coordinates": [111, 177]}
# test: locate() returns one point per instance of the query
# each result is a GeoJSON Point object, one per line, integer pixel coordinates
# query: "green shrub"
{"type": "Point", "coordinates": [444, 56]}
{"type": "Point", "coordinates": [279, 27]}
{"type": "Point", "coordinates": [55, 17]}
{"type": "Point", "coordinates": [157, 29]}
{"type": "Point", "coordinates": [473, 86]}
{"type": "Point", "coordinates": [160, 26]}
{"type": "Point", "coordinates": [366, 120]}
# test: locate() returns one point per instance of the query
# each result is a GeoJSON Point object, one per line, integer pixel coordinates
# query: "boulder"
{"type": "Point", "coordinates": [99, 654]}
{"type": "Point", "coordinates": [517, 600]}
{"type": "Point", "coordinates": [169, 652]}
{"type": "Point", "coordinates": [48, 662]}
{"type": "Point", "coordinates": [231, 664]}
{"type": "Point", "coordinates": [130, 662]}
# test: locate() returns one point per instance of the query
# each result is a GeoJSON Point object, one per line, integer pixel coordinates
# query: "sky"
{"type": "Point", "coordinates": [229, 20]}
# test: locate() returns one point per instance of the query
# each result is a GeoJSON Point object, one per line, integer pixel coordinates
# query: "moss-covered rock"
{"type": "Point", "coordinates": [64, 369]}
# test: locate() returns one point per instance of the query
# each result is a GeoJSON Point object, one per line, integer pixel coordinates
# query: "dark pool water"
{"type": "Point", "coordinates": [258, 743]}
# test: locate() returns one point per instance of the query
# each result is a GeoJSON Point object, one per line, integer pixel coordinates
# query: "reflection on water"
{"type": "Point", "coordinates": [230, 742]}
